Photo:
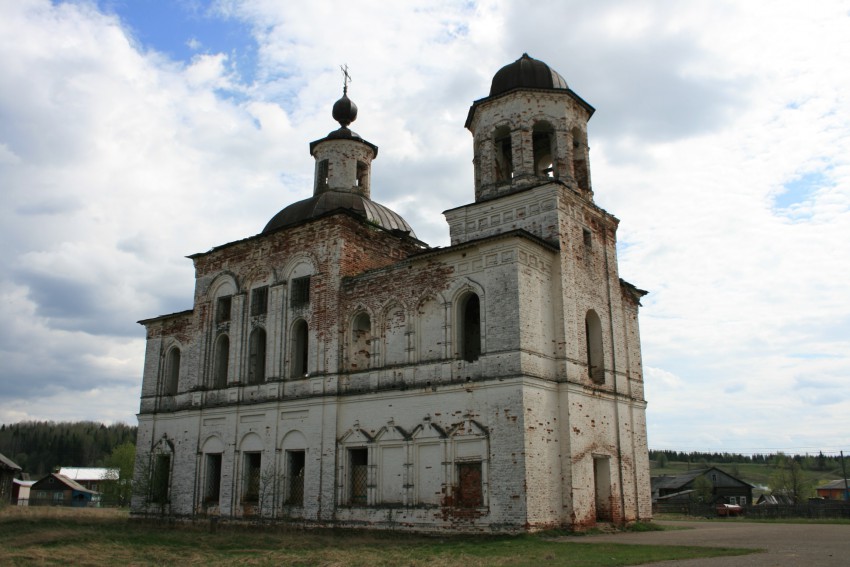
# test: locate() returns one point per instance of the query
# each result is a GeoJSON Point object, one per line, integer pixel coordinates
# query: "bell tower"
{"type": "Point", "coordinates": [531, 129]}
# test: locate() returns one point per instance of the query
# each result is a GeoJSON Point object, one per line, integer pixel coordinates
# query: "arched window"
{"type": "Point", "coordinates": [221, 361]}
{"type": "Point", "coordinates": [361, 341]}
{"type": "Point", "coordinates": [595, 354]}
{"type": "Point", "coordinates": [469, 331]}
{"type": "Point", "coordinates": [503, 154]}
{"type": "Point", "coordinates": [299, 349]}
{"type": "Point", "coordinates": [172, 372]}
{"type": "Point", "coordinates": [580, 171]}
{"type": "Point", "coordinates": [257, 356]}
{"type": "Point", "coordinates": [543, 141]}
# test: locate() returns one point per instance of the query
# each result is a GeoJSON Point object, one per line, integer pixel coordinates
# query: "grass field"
{"type": "Point", "coordinates": [52, 536]}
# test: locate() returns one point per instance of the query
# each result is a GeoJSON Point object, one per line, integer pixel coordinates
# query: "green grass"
{"type": "Point", "coordinates": [94, 537]}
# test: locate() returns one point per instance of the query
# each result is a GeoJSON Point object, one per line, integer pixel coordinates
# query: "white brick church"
{"type": "Point", "coordinates": [336, 371]}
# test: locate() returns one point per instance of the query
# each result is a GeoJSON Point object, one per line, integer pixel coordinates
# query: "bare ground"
{"type": "Point", "coordinates": [803, 545]}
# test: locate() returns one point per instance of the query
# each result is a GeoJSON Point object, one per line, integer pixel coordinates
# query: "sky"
{"type": "Point", "coordinates": [136, 132]}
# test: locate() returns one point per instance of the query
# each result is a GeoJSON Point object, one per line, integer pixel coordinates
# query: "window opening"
{"type": "Point", "coordinates": [251, 477]}
{"type": "Point", "coordinates": [212, 487]}
{"type": "Point", "coordinates": [470, 328]}
{"type": "Point", "coordinates": [322, 175]}
{"type": "Point", "coordinates": [222, 359]}
{"type": "Point", "coordinates": [469, 485]}
{"type": "Point", "coordinates": [297, 460]}
{"type": "Point", "coordinates": [362, 175]}
{"type": "Point", "coordinates": [580, 160]}
{"type": "Point", "coordinates": [300, 292]}
{"type": "Point", "coordinates": [172, 372]}
{"type": "Point", "coordinates": [595, 358]}
{"type": "Point", "coordinates": [159, 479]}
{"type": "Point", "coordinates": [260, 300]}
{"type": "Point", "coordinates": [588, 239]}
{"type": "Point", "coordinates": [359, 460]}
{"type": "Point", "coordinates": [504, 155]}
{"type": "Point", "coordinates": [257, 357]}
{"type": "Point", "coordinates": [223, 309]}
{"type": "Point", "coordinates": [542, 137]}
{"type": "Point", "coordinates": [300, 346]}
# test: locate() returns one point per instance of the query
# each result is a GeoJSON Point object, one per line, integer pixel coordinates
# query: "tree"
{"type": "Point", "coordinates": [703, 489]}
{"type": "Point", "coordinates": [789, 480]}
{"type": "Point", "coordinates": [122, 458]}
{"type": "Point", "coordinates": [662, 460]}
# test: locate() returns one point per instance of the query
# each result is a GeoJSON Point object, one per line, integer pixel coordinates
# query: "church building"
{"type": "Point", "coordinates": [337, 371]}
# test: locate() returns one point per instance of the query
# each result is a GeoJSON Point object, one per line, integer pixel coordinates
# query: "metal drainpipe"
{"type": "Point", "coordinates": [614, 374]}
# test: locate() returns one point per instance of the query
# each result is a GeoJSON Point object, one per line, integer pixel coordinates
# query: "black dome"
{"type": "Point", "coordinates": [328, 201]}
{"type": "Point", "coordinates": [344, 111]}
{"type": "Point", "coordinates": [528, 73]}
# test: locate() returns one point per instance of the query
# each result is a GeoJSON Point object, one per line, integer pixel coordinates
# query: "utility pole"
{"type": "Point", "coordinates": [844, 470]}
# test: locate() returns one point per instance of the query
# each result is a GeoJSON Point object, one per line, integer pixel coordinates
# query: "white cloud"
{"type": "Point", "coordinates": [117, 161]}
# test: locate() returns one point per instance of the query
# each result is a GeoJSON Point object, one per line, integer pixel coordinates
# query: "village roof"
{"type": "Point", "coordinates": [674, 482]}
{"type": "Point", "coordinates": [89, 473]}
{"type": "Point", "coordinates": [671, 482]}
{"type": "Point", "coordinates": [70, 483]}
{"type": "Point", "coordinates": [834, 485]}
{"type": "Point", "coordinates": [7, 463]}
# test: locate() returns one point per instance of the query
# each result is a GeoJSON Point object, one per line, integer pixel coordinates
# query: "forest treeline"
{"type": "Point", "coordinates": [811, 462]}
{"type": "Point", "coordinates": [39, 447]}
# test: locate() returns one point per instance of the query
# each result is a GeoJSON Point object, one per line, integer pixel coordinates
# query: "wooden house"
{"type": "Point", "coordinates": [726, 488]}
{"type": "Point", "coordinates": [58, 490]}
{"type": "Point", "coordinates": [8, 471]}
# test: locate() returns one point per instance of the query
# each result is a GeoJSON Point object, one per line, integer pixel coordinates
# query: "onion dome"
{"type": "Point", "coordinates": [526, 73]}
{"type": "Point", "coordinates": [345, 111]}
{"type": "Point", "coordinates": [329, 201]}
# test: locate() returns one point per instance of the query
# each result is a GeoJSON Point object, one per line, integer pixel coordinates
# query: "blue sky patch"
{"type": "Point", "coordinates": [800, 189]}
{"type": "Point", "coordinates": [182, 29]}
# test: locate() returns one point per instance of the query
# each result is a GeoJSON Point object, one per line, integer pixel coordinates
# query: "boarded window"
{"type": "Point", "coordinates": [172, 372]}
{"type": "Point", "coordinates": [299, 349]}
{"type": "Point", "coordinates": [595, 355]}
{"type": "Point", "coordinates": [222, 310]}
{"type": "Point", "coordinates": [296, 464]}
{"type": "Point", "coordinates": [257, 357]}
{"type": "Point", "coordinates": [361, 341]}
{"type": "Point", "coordinates": [221, 361]}
{"type": "Point", "coordinates": [469, 333]}
{"type": "Point", "coordinates": [251, 477]}
{"type": "Point", "coordinates": [395, 339]}
{"type": "Point", "coordinates": [160, 479]}
{"type": "Point", "coordinates": [212, 484]}
{"type": "Point", "coordinates": [359, 474]}
{"type": "Point", "coordinates": [431, 334]}
{"type": "Point", "coordinates": [260, 301]}
{"type": "Point", "coordinates": [299, 294]}
{"type": "Point", "coordinates": [469, 486]}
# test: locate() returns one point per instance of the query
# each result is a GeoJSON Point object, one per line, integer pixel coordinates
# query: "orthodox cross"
{"type": "Point", "coordinates": [346, 78]}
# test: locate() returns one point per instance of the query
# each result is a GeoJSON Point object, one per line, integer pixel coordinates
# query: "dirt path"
{"type": "Point", "coordinates": [802, 545]}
